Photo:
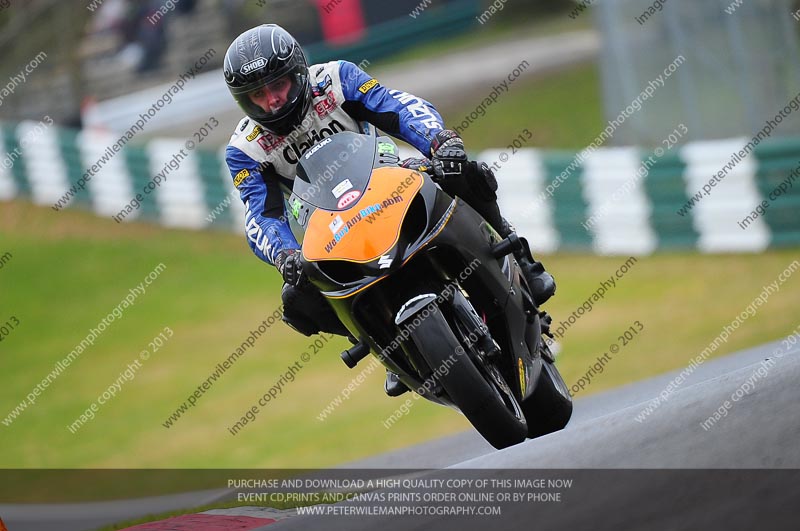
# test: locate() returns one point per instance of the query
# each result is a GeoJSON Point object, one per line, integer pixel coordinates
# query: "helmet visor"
{"type": "Point", "coordinates": [272, 97]}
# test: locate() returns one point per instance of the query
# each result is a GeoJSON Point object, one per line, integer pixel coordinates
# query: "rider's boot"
{"type": "Point", "coordinates": [541, 283]}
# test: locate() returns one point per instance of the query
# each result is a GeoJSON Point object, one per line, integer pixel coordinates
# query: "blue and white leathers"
{"type": "Point", "coordinates": [262, 165]}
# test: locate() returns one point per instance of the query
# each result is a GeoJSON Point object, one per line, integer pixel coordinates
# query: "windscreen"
{"type": "Point", "coordinates": [335, 172]}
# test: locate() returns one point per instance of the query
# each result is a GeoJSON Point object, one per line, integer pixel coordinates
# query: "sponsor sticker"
{"type": "Point", "coordinates": [296, 204]}
{"type": "Point", "coordinates": [293, 152]}
{"type": "Point", "coordinates": [325, 83]}
{"type": "Point", "coordinates": [317, 148]}
{"type": "Point", "coordinates": [241, 176]}
{"type": "Point", "coordinates": [322, 87]}
{"type": "Point", "coordinates": [341, 188]}
{"type": "Point", "coordinates": [252, 136]}
{"type": "Point", "coordinates": [269, 142]}
{"type": "Point", "coordinates": [385, 148]}
{"type": "Point", "coordinates": [369, 85]}
{"type": "Point", "coordinates": [348, 198]}
{"type": "Point", "coordinates": [326, 106]}
{"type": "Point", "coordinates": [336, 224]}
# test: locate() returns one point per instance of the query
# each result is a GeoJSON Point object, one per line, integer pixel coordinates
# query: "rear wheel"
{"type": "Point", "coordinates": [476, 387]}
{"type": "Point", "coordinates": [549, 408]}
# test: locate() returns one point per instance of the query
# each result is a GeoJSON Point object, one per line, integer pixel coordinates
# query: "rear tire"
{"type": "Point", "coordinates": [549, 408]}
{"type": "Point", "coordinates": [477, 398]}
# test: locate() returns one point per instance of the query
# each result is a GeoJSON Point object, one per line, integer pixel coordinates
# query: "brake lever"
{"type": "Point", "coordinates": [427, 169]}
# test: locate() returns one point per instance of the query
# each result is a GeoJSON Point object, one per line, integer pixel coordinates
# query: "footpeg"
{"type": "Point", "coordinates": [393, 386]}
{"type": "Point", "coordinates": [353, 355]}
{"type": "Point", "coordinates": [512, 244]}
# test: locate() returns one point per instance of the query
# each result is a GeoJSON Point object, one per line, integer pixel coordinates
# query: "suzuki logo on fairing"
{"type": "Point", "coordinates": [293, 152]}
{"type": "Point", "coordinates": [385, 261]}
{"type": "Point", "coordinates": [317, 148]}
{"type": "Point", "coordinates": [255, 64]}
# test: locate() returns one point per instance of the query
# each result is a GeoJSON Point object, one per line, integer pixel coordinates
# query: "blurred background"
{"type": "Point", "coordinates": [614, 115]}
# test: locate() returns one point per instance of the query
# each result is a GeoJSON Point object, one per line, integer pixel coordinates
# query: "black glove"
{"type": "Point", "coordinates": [448, 154]}
{"type": "Point", "coordinates": [290, 266]}
{"type": "Point", "coordinates": [416, 163]}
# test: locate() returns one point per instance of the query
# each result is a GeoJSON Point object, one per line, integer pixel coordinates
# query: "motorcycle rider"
{"type": "Point", "coordinates": [289, 106]}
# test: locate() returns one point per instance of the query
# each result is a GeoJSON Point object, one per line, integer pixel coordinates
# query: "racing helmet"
{"type": "Point", "coordinates": [260, 58]}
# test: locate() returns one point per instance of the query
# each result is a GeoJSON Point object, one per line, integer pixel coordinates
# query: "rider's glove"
{"type": "Point", "coordinates": [448, 154]}
{"type": "Point", "coordinates": [416, 163]}
{"type": "Point", "coordinates": [290, 266]}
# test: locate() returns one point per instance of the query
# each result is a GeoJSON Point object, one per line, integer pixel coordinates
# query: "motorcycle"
{"type": "Point", "coordinates": [424, 282]}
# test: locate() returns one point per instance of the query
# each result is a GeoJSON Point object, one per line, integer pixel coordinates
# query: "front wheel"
{"type": "Point", "coordinates": [549, 408]}
{"type": "Point", "coordinates": [481, 399]}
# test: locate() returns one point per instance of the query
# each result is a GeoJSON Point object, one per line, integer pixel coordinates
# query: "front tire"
{"type": "Point", "coordinates": [478, 399]}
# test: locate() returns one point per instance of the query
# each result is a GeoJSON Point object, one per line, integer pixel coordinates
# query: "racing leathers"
{"type": "Point", "coordinates": [344, 97]}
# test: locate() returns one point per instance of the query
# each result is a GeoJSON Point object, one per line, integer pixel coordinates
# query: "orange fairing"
{"type": "Point", "coordinates": [368, 229]}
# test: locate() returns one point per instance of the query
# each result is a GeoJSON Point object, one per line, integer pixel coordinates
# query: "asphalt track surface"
{"type": "Point", "coordinates": [761, 431]}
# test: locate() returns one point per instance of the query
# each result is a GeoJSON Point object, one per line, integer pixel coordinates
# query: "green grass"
{"type": "Point", "coordinates": [561, 110]}
{"type": "Point", "coordinates": [496, 30]}
{"type": "Point", "coordinates": [69, 269]}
